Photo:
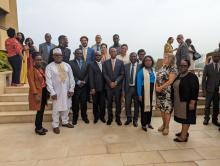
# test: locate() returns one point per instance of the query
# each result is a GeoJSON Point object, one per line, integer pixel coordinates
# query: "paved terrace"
{"type": "Point", "coordinates": [102, 145]}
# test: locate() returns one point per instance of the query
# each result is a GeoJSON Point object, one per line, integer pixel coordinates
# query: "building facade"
{"type": "Point", "coordinates": [8, 18]}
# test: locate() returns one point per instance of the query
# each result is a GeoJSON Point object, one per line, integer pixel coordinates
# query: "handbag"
{"type": "Point", "coordinates": [196, 56]}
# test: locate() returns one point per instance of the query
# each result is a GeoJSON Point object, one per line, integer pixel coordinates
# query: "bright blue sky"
{"type": "Point", "coordinates": [140, 23]}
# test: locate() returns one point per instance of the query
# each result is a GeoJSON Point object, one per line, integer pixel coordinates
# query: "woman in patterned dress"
{"type": "Point", "coordinates": [165, 77]}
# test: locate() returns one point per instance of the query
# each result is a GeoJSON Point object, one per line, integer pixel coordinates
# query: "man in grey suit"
{"type": "Point", "coordinates": [97, 47]}
{"type": "Point", "coordinates": [113, 71]}
{"type": "Point", "coordinates": [131, 70]}
{"type": "Point", "coordinates": [46, 47]}
{"type": "Point", "coordinates": [210, 87]}
{"type": "Point", "coordinates": [182, 51]}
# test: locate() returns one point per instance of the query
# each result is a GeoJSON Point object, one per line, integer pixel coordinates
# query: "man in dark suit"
{"type": "Point", "coordinates": [46, 47]}
{"type": "Point", "coordinates": [210, 87]}
{"type": "Point", "coordinates": [97, 88]}
{"type": "Point", "coordinates": [113, 71]}
{"type": "Point", "coordinates": [80, 73]}
{"type": "Point", "coordinates": [131, 70]}
{"type": "Point", "coordinates": [66, 52]}
{"type": "Point", "coordinates": [88, 53]}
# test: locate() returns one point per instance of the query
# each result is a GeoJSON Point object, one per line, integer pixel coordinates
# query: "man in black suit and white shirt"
{"type": "Point", "coordinates": [113, 71]}
{"type": "Point", "coordinates": [97, 88]}
{"type": "Point", "coordinates": [80, 73]}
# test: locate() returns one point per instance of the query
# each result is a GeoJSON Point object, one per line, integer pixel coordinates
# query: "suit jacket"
{"type": "Point", "coordinates": [96, 78]}
{"type": "Point", "coordinates": [210, 78]}
{"type": "Point", "coordinates": [94, 47]}
{"type": "Point", "coordinates": [128, 75]}
{"type": "Point", "coordinates": [79, 74]}
{"type": "Point", "coordinates": [90, 55]}
{"type": "Point", "coordinates": [35, 82]}
{"type": "Point", "coordinates": [66, 54]}
{"type": "Point", "coordinates": [44, 51]}
{"type": "Point", "coordinates": [182, 53]}
{"type": "Point", "coordinates": [112, 76]}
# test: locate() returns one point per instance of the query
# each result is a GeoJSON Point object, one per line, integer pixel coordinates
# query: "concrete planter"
{"type": "Point", "coordinates": [5, 80]}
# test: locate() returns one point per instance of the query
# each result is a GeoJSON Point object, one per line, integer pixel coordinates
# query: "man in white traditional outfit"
{"type": "Point", "coordinates": [60, 84]}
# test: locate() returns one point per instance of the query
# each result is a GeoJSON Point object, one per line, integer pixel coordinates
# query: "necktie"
{"type": "Point", "coordinates": [84, 53]}
{"type": "Point", "coordinates": [98, 48]}
{"type": "Point", "coordinates": [113, 65]}
{"type": "Point", "coordinates": [216, 67]}
{"type": "Point", "coordinates": [48, 49]}
{"type": "Point", "coordinates": [132, 74]}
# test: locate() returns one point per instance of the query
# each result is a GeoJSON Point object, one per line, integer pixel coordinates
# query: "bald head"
{"type": "Point", "coordinates": [180, 38]}
{"type": "Point", "coordinates": [48, 37]}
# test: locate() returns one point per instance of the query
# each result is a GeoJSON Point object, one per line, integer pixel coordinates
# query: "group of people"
{"type": "Point", "coordinates": [107, 75]}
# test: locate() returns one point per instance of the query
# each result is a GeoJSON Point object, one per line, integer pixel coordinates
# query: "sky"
{"type": "Point", "coordinates": [140, 23]}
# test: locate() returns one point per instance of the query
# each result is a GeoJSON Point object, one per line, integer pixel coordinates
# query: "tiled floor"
{"type": "Point", "coordinates": [101, 145]}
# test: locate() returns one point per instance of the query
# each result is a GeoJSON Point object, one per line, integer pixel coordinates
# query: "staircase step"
{"type": "Point", "coordinates": [22, 117]}
{"type": "Point", "coordinates": [17, 106]}
{"type": "Point", "coordinates": [29, 116]}
{"type": "Point", "coordinates": [24, 106]}
{"type": "Point", "coordinates": [14, 97]}
{"type": "Point", "coordinates": [23, 89]}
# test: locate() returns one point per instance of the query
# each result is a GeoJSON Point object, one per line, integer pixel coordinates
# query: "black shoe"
{"type": "Point", "coordinates": [45, 130]}
{"type": "Point", "coordinates": [216, 123]}
{"type": "Point", "coordinates": [144, 128]}
{"type": "Point", "coordinates": [135, 124]}
{"type": "Point", "coordinates": [178, 139]}
{"type": "Point", "coordinates": [127, 122]}
{"type": "Point", "coordinates": [86, 121]}
{"type": "Point", "coordinates": [96, 120]}
{"type": "Point", "coordinates": [179, 134]}
{"type": "Point", "coordinates": [40, 132]}
{"type": "Point", "coordinates": [68, 125]}
{"type": "Point", "coordinates": [74, 122]}
{"type": "Point", "coordinates": [150, 126]}
{"type": "Point", "coordinates": [109, 122]}
{"type": "Point", "coordinates": [103, 120]}
{"type": "Point", "coordinates": [218, 129]}
{"type": "Point", "coordinates": [118, 122]}
{"type": "Point", "coordinates": [205, 122]}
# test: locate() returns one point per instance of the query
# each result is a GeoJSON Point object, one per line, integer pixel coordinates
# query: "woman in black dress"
{"type": "Point", "coordinates": [184, 95]}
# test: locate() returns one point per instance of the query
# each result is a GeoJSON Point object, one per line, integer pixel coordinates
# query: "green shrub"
{"type": "Point", "coordinates": [4, 65]}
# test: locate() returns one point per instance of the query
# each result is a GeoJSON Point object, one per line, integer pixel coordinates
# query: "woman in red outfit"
{"type": "Point", "coordinates": [14, 50]}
